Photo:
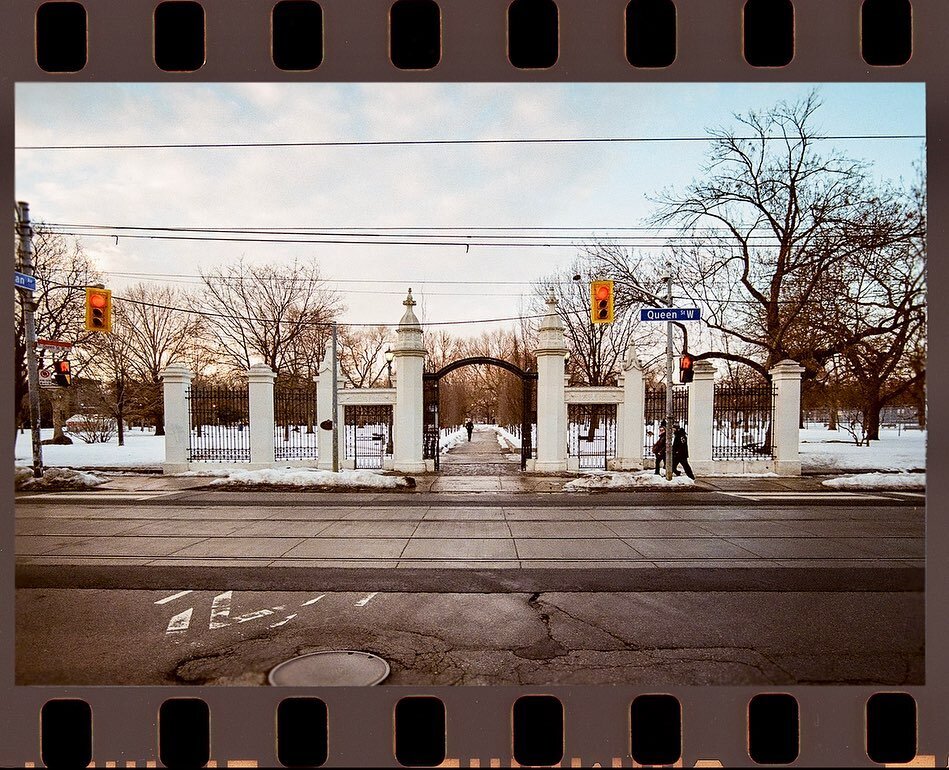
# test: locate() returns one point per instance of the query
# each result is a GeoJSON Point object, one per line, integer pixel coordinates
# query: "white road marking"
{"type": "Point", "coordinates": [768, 496]}
{"type": "Point", "coordinates": [180, 622]}
{"type": "Point", "coordinates": [308, 602]}
{"type": "Point", "coordinates": [105, 495]}
{"type": "Point", "coordinates": [173, 597]}
{"type": "Point", "coordinates": [253, 615]}
{"type": "Point", "coordinates": [220, 610]}
{"type": "Point", "coordinates": [364, 602]}
{"type": "Point", "coordinates": [284, 621]}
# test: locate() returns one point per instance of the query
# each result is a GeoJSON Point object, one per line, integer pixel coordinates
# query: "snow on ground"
{"type": "Point", "coordinates": [452, 439]}
{"type": "Point", "coordinates": [142, 449]}
{"type": "Point", "coordinates": [827, 451]}
{"type": "Point", "coordinates": [916, 481]}
{"type": "Point", "coordinates": [311, 477]}
{"type": "Point", "coordinates": [623, 480]}
{"type": "Point", "coordinates": [506, 439]}
{"type": "Point", "coordinates": [56, 478]}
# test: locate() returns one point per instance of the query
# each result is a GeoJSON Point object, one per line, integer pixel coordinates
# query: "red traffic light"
{"type": "Point", "coordinates": [97, 300]}
{"type": "Point", "coordinates": [602, 292]}
{"type": "Point", "coordinates": [686, 370]}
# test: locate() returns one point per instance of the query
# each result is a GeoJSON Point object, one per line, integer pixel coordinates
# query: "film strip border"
{"type": "Point", "coordinates": [315, 39]}
{"type": "Point", "coordinates": [774, 728]}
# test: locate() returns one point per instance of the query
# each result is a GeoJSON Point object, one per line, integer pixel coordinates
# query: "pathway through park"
{"type": "Point", "coordinates": [482, 456]}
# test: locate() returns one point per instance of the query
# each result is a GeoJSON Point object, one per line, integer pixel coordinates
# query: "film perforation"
{"type": "Point", "coordinates": [651, 33]}
{"type": "Point", "coordinates": [297, 29]}
{"type": "Point", "coordinates": [768, 32]}
{"type": "Point", "coordinates": [415, 34]}
{"type": "Point", "coordinates": [179, 30]}
{"type": "Point", "coordinates": [61, 37]}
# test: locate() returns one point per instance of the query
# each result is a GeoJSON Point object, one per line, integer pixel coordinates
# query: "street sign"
{"type": "Point", "coordinates": [46, 378]}
{"type": "Point", "coordinates": [24, 281]}
{"type": "Point", "coordinates": [670, 314]}
{"type": "Point", "coordinates": [53, 344]}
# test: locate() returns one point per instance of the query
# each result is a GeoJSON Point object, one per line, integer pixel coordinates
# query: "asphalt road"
{"type": "Point", "coordinates": [99, 637]}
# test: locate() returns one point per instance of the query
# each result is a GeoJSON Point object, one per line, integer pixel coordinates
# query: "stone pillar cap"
{"type": "Point", "coordinates": [787, 366]}
{"type": "Point", "coordinates": [551, 319]}
{"type": "Point", "coordinates": [409, 318]}
{"type": "Point", "coordinates": [176, 371]}
{"type": "Point", "coordinates": [261, 372]}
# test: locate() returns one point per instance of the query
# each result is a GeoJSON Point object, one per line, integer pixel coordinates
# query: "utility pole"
{"type": "Point", "coordinates": [669, 427]}
{"type": "Point", "coordinates": [335, 402]}
{"type": "Point", "coordinates": [25, 255]}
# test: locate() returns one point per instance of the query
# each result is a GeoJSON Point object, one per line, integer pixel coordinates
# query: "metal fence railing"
{"type": "Point", "coordinates": [654, 412]}
{"type": "Point", "coordinates": [296, 431]}
{"type": "Point", "coordinates": [368, 433]}
{"type": "Point", "coordinates": [742, 416]}
{"type": "Point", "coordinates": [219, 418]}
{"type": "Point", "coordinates": [517, 431]}
{"type": "Point", "coordinates": [591, 434]}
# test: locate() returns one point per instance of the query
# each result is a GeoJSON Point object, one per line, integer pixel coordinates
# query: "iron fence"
{"type": "Point", "coordinates": [655, 412]}
{"type": "Point", "coordinates": [742, 417]}
{"type": "Point", "coordinates": [368, 430]}
{"type": "Point", "coordinates": [219, 424]}
{"type": "Point", "coordinates": [296, 433]}
{"type": "Point", "coordinates": [591, 434]}
{"type": "Point", "coordinates": [518, 431]}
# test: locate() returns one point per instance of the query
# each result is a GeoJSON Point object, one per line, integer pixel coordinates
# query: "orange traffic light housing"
{"type": "Point", "coordinates": [686, 368]}
{"type": "Point", "coordinates": [98, 310]}
{"type": "Point", "coordinates": [61, 374]}
{"type": "Point", "coordinates": [601, 302]}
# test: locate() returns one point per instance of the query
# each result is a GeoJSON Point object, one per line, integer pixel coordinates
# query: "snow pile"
{"type": "Point", "coordinates": [624, 480]}
{"type": "Point", "coordinates": [506, 440]}
{"type": "Point", "coordinates": [209, 471]}
{"type": "Point", "coordinates": [311, 477]}
{"type": "Point", "coordinates": [452, 439]}
{"type": "Point", "coordinates": [827, 451]}
{"type": "Point", "coordinates": [56, 479]}
{"type": "Point", "coordinates": [916, 481]}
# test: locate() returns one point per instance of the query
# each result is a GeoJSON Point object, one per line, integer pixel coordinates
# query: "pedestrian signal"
{"type": "Point", "coordinates": [601, 302]}
{"type": "Point", "coordinates": [61, 375]}
{"type": "Point", "coordinates": [98, 310]}
{"type": "Point", "coordinates": [686, 364]}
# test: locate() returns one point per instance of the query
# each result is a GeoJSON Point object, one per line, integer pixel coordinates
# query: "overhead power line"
{"type": "Point", "coordinates": [443, 142]}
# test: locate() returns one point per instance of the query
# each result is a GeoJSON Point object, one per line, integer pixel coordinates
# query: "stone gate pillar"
{"type": "Point", "coordinates": [260, 380]}
{"type": "Point", "coordinates": [629, 416]}
{"type": "Point", "coordinates": [785, 431]}
{"type": "Point", "coordinates": [409, 357]}
{"type": "Point", "coordinates": [176, 380]}
{"type": "Point", "coordinates": [701, 405]}
{"type": "Point", "coordinates": [551, 404]}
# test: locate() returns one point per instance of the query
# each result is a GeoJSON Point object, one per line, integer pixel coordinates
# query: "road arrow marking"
{"type": "Point", "coordinates": [312, 601]}
{"type": "Point", "coordinates": [284, 621]}
{"type": "Point", "coordinates": [173, 597]}
{"type": "Point", "coordinates": [364, 602]}
{"type": "Point", "coordinates": [220, 610]}
{"type": "Point", "coordinates": [254, 615]}
{"type": "Point", "coordinates": [180, 622]}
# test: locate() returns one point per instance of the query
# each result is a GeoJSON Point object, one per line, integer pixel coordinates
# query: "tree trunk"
{"type": "Point", "coordinates": [871, 420]}
{"type": "Point", "coordinates": [159, 411]}
{"type": "Point", "coordinates": [832, 417]}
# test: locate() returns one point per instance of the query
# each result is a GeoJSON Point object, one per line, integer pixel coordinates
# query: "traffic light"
{"type": "Point", "coordinates": [98, 310]}
{"type": "Point", "coordinates": [686, 364]}
{"type": "Point", "coordinates": [61, 375]}
{"type": "Point", "coordinates": [601, 302]}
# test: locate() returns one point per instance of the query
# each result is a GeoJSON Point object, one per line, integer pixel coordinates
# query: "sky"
{"type": "Point", "coordinates": [588, 186]}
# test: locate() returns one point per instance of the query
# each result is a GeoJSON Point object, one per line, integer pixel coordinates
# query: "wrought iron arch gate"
{"type": "Point", "coordinates": [430, 423]}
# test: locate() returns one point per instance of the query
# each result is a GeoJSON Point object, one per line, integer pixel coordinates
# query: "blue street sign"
{"type": "Point", "coordinates": [670, 314]}
{"type": "Point", "coordinates": [24, 281]}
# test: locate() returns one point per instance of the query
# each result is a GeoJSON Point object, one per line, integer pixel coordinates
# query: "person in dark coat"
{"type": "Point", "coordinates": [680, 452]}
{"type": "Point", "coordinates": [659, 448]}
{"type": "Point", "coordinates": [469, 426]}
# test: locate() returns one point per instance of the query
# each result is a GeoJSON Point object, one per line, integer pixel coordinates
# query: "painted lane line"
{"type": "Point", "coordinates": [220, 610]}
{"type": "Point", "coordinates": [364, 602]}
{"type": "Point", "coordinates": [254, 615]}
{"type": "Point", "coordinates": [180, 622]}
{"type": "Point", "coordinates": [284, 621]}
{"type": "Point", "coordinates": [173, 597]}
{"type": "Point", "coordinates": [312, 601]}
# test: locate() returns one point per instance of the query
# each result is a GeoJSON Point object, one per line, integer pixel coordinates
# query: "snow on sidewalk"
{"type": "Point", "coordinates": [311, 477]}
{"type": "Point", "coordinates": [56, 479]}
{"type": "Point", "coordinates": [913, 481]}
{"type": "Point", "coordinates": [624, 480]}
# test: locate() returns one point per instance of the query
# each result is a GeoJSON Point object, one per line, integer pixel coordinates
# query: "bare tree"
{"type": "Point", "coordinates": [762, 229]}
{"type": "Point", "coordinates": [361, 354]}
{"type": "Point", "coordinates": [263, 311]}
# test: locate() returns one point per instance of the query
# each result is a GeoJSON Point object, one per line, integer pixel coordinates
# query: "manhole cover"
{"type": "Point", "coordinates": [331, 668]}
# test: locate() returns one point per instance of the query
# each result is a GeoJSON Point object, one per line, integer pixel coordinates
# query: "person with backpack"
{"type": "Point", "coordinates": [680, 452]}
{"type": "Point", "coordinates": [659, 448]}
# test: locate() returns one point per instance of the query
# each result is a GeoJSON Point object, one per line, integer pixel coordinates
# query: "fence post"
{"type": "Point", "coordinates": [701, 409]}
{"type": "Point", "coordinates": [324, 411]}
{"type": "Point", "coordinates": [630, 416]}
{"type": "Point", "coordinates": [260, 379]}
{"type": "Point", "coordinates": [551, 401]}
{"type": "Point", "coordinates": [785, 432]}
{"type": "Point", "coordinates": [176, 381]}
{"type": "Point", "coordinates": [409, 354]}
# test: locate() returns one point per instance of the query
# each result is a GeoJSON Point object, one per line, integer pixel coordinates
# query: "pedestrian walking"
{"type": "Point", "coordinates": [659, 448]}
{"type": "Point", "coordinates": [680, 452]}
{"type": "Point", "coordinates": [469, 426]}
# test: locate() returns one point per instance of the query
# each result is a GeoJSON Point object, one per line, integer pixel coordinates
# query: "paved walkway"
{"type": "Point", "coordinates": [482, 456]}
